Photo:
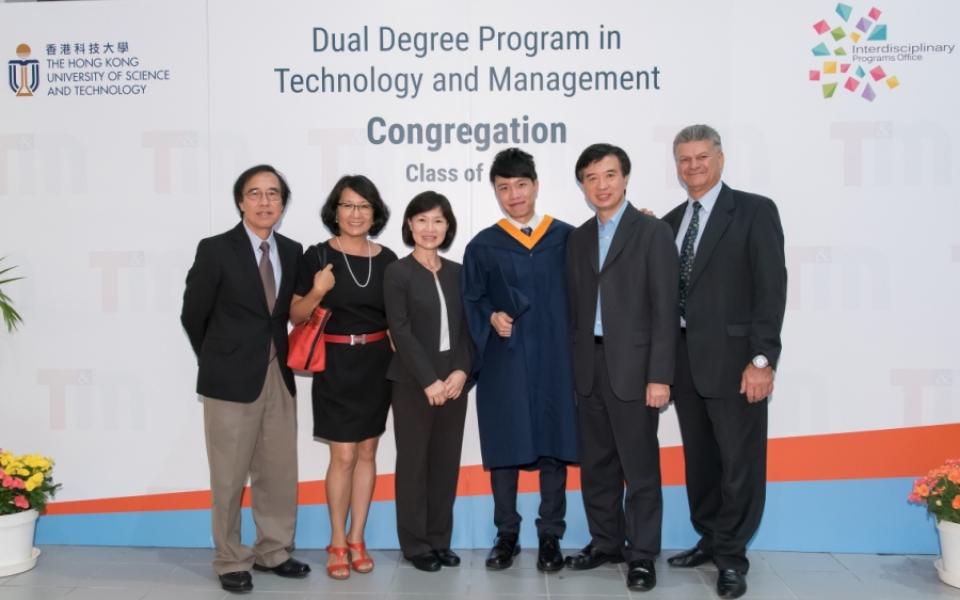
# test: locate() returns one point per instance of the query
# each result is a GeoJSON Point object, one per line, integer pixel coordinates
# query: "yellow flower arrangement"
{"type": "Point", "coordinates": [26, 482]}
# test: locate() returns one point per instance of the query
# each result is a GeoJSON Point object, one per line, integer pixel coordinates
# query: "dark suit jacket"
{"type": "Point", "coordinates": [738, 290]}
{"type": "Point", "coordinates": [413, 314]}
{"type": "Point", "coordinates": [638, 285]}
{"type": "Point", "coordinates": [225, 315]}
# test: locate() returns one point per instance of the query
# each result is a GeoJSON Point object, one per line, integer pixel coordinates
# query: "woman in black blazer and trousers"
{"type": "Point", "coordinates": [429, 373]}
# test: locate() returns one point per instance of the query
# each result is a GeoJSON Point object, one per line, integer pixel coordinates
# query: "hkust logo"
{"type": "Point", "coordinates": [73, 69]}
{"type": "Point", "coordinates": [23, 72]}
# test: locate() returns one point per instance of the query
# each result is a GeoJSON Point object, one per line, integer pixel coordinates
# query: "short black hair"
{"type": "Point", "coordinates": [362, 186]}
{"type": "Point", "coordinates": [423, 202]}
{"type": "Point", "coordinates": [247, 175]}
{"type": "Point", "coordinates": [513, 162]}
{"type": "Point", "coordinates": [596, 152]}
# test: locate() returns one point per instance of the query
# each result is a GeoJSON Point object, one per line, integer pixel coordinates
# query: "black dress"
{"type": "Point", "coordinates": [351, 397]}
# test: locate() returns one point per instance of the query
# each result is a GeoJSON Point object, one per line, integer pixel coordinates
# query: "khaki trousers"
{"type": "Point", "coordinates": [258, 439]}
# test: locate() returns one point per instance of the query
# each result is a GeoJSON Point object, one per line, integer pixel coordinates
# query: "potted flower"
{"type": "Point", "coordinates": [10, 316]}
{"type": "Point", "coordinates": [939, 491]}
{"type": "Point", "coordinates": [26, 485]}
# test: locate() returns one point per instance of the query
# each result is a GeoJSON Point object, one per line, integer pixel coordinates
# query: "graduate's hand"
{"type": "Point", "coordinates": [756, 383]}
{"type": "Point", "coordinates": [502, 323]}
{"type": "Point", "coordinates": [454, 384]}
{"type": "Point", "coordinates": [436, 393]}
{"type": "Point", "coordinates": [658, 394]}
{"type": "Point", "coordinates": [648, 212]}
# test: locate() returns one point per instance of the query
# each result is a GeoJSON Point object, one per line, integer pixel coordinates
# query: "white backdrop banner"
{"type": "Point", "coordinates": [124, 125]}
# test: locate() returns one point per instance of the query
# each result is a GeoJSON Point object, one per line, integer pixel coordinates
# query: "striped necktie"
{"type": "Point", "coordinates": [687, 252]}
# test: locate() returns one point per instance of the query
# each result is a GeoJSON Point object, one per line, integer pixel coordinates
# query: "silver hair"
{"type": "Point", "coordinates": [697, 133]}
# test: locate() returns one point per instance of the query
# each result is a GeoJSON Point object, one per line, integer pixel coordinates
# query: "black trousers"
{"type": "Point", "coordinates": [429, 441]}
{"type": "Point", "coordinates": [618, 443]}
{"type": "Point", "coordinates": [725, 451]}
{"type": "Point", "coordinates": [553, 497]}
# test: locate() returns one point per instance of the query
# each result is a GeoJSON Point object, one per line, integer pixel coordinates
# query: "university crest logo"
{"type": "Point", "coordinates": [23, 72]}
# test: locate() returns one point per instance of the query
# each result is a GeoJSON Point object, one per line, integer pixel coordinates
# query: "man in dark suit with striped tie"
{"type": "Point", "coordinates": [733, 289]}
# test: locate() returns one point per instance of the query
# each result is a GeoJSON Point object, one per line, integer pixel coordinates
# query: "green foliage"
{"type": "Point", "coordinates": [11, 318]}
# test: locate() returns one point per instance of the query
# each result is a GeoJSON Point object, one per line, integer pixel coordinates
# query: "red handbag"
{"type": "Point", "coordinates": [307, 348]}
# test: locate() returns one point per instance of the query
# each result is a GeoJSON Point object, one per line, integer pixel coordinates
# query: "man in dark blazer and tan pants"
{"type": "Point", "coordinates": [235, 310]}
{"type": "Point", "coordinates": [733, 288]}
{"type": "Point", "coordinates": [622, 277]}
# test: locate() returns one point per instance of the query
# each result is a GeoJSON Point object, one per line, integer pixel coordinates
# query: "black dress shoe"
{"type": "Point", "coordinates": [694, 557]}
{"type": "Point", "coordinates": [731, 583]}
{"type": "Point", "coordinates": [641, 576]}
{"type": "Point", "coordinates": [503, 551]}
{"type": "Point", "coordinates": [447, 557]}
{"type": "Point", "coordinates": [591, 558]}
{"type": "Point", "coordinates": [237, 581]}
{"type": "Point", "coordinates": [549, 559]}
{"type": "Point", "coordinates": [288, 568]}
{"type": "Point", "coordinates": [427, 561]}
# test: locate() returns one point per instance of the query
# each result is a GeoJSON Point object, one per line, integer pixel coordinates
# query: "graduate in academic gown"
{"type": "Point", "coordinates": [515, 299]}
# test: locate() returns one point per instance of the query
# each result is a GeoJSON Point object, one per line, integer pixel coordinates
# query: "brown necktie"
{"type": "Point", "coordinates": [266, 276]}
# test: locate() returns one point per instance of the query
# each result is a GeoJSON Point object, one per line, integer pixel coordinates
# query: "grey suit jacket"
{"type": "Point", "coordinates": [638, 286]}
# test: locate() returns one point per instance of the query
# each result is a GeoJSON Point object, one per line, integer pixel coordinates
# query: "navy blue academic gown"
{"type": "Point", "coordinates": [525, 394]}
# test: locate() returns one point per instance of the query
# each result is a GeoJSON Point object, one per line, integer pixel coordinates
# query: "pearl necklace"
{"type": "Point", "coordinates": [349, 270]}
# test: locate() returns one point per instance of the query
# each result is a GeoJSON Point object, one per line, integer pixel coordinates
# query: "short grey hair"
{"type": "Point", "coordinates": [697, 133]}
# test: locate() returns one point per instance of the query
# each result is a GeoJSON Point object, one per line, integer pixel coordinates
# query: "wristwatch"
{"type": "Point", "coordinates": [760, 361]}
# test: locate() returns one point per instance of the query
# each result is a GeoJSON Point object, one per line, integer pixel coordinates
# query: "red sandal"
{"type": "Point", "coordinates": [360, 560]}
{"type": "Point", "coordinates": [340, 569]}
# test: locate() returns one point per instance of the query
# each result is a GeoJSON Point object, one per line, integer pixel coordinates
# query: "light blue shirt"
{"type": "Point", "coordinates": [605, 233]}
{"type": "Point", "coordinates": [707, 202]}
{"type": "Point", "coordinates": [258, 254]}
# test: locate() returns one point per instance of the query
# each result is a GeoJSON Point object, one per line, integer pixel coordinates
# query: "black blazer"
{"type": "Point", "coordinates": [413, 315]}
{"type": "Point", "coordinates": [638, 286]}
{"type": "Point", "coordinates": [738, 290]}
{"type": "Point", "coordinates": [225, 315]}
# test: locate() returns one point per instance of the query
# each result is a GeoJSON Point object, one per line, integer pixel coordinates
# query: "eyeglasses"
{"type": "Point", "coordinates": [257, 195]}
{"type": "Point", "coordinates": [360, 208]}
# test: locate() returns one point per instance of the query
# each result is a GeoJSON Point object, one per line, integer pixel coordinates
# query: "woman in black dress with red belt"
{"type": "Point", "coordinates": [351, 397]}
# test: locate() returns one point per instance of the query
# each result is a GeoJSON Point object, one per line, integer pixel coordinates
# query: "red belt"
{"type": "Point", "coordinates": [355, 340]}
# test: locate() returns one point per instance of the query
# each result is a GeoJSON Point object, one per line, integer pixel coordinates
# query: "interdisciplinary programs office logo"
{"type": "Point", "coordinates": [844, 46]}
{"type": "Point", "coordinates": [23, 72]}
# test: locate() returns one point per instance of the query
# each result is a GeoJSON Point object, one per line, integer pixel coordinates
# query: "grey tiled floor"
{"type": "Point", "coordinates": [107, 573]}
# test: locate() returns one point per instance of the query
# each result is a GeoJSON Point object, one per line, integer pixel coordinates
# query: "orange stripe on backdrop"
{"type": "Point", "coordinates": [906, 452]}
